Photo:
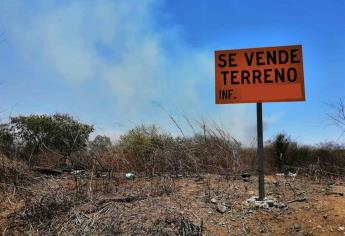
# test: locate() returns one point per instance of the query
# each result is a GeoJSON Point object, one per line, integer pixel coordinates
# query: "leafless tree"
{"type": "Point", "coordinates": [338, 115]}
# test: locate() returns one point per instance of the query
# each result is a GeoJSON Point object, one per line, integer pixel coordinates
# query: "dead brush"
{"type": "Point", "coordinates": [176, 225]}
{"type": "Point", "coordinates": [211, 150]}
{"type": "Point", "coordinates": [43, 206]}
{"type": "Point", "coordinates": [14, 172]}
{"type": "Point", "coordinates": [163, 186]}
{"type": "Point", "coordinates": [90, 219]}
{"type": "Point", "coordinates": [15, 178]}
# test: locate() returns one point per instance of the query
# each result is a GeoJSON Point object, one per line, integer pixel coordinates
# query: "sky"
{"type": "Point", "coordinates": [117, 64]}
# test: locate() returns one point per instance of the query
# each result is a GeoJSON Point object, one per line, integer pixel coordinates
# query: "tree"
{"type": "Point", "coordinates": [6, 139]}
{"type": "Point", "coordinates": [59, 132]}
{"type": "Point", "coordinates": [338, 117]}
{"type": "Point", "coordinates": [141, 143]}
{"type": "Point", "coordinates": [280, 147]}
{"type": "Point", "coordinates": [100, 144]}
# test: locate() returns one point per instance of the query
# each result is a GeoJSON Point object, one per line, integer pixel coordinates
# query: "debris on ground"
{"type": "Point", "coordinates": [47, 171]}
{"type": "Point", "coordinates": [77, 172]}
{"type": "Point", "coordinates": [130, 176]}
{"type": "Point", "coordinates": [292, 175]}
{"type": "Point", "coordinates": [266, 203]}
{"type": "Point", "coordinates": [221, 208]}
{"type": "Point", "coordinates": [213, 200]}
{"type": "Point", "coordinates": [211, 205]}
{"type": "Point", "coordinates": [296, 227]}
{"type": "Point", "coordinates": [245, 177]}
{"type": "Point", "coordinates": [335, 193]}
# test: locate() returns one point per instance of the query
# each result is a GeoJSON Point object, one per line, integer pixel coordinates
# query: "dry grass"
{"type": "Point", "coordinates": [70, 205]}
{"type": "Point", "coordinates": [178, 181]}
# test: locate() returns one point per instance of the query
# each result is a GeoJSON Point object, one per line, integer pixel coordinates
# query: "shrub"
{"type": "Point", "coordinates": [214, 151]}
{"type": "Point", "coordinates": [14, 172]}
{"type": "Point", "coordinates": [140, 144]}
{"type": "Point", "coordinates": [100, 144]}
{"type": "Point", "coordinates": [280, 148]}
{"type": "Point", "coordinates": [59, 132]}
{"type": "Point", "coordinates": [6, 139]}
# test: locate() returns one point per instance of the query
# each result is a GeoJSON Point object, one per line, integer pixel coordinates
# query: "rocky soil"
{"type": "Point", "coordinates": [87, 204]}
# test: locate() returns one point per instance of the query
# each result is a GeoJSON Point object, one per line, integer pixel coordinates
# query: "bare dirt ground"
{"type": "Point", "coordinates": [202, 205]}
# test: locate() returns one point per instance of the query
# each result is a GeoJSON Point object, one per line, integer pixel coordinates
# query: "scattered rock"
{"type": "Point", "coordinates": [308, 233]}
{"type": "Point", "coordinates": [221, 208]}
{"type": "Point", "coordinates": [280, 205]}
{"type": "Point", "coordinates": [296, 227]}
{"type": "Point", "coordinates": [270, 203]}
{"type": "Point", "coordinates": [213, 200]}
{"type": "Point", "coordinates": [341, 228]}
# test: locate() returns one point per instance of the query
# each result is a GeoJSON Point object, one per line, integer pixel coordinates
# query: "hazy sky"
{"type": "Point", "coordinates": [117, 64]}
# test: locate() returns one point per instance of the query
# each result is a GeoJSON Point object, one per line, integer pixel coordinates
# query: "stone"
{"type": "Point", "coordinates": [213, 200]}
{"type": "Point", "coordinates": [270, 203]}
{"type": "Point", "coordinates": [296, 227]}
{"type": "Point", "coordinates": [221, 208]}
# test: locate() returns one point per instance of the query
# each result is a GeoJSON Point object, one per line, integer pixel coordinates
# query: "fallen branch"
{"type": "Point", "coordinates": [297, 200]}
{"type": "Point", "coordinates": [335, 193]}
{"type": "Point", "coordinates": [122, 200]}
{"type": "Point", "coordinates": [47, 171]}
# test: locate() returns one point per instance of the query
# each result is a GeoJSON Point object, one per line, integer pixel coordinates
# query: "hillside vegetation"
{"type": "Point", "coordinates": [54, 180]}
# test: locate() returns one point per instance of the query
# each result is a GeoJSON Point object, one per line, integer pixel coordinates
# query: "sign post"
{"type": "Point", "coordinates": [257, 75]}
{"type": "Point", "coordinates": [260, 151]}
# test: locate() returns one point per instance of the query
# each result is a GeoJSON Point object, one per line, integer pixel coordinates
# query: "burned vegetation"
{"type": "Point", "coordinates": [54, 181]}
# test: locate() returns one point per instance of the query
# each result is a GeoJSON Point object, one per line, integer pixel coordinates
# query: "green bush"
{"type": "Point", "coordinates": [280, 148]}
{"type": "Point", "coordinates": [141, 143]}
{"type": "Point", "coordinates": [59, 132]}
{"type": "Point", "coordinates": [100, 144]}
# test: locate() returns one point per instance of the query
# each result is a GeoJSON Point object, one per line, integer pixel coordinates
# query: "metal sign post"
{"type": "Point", "coordinates": [260, 151]}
